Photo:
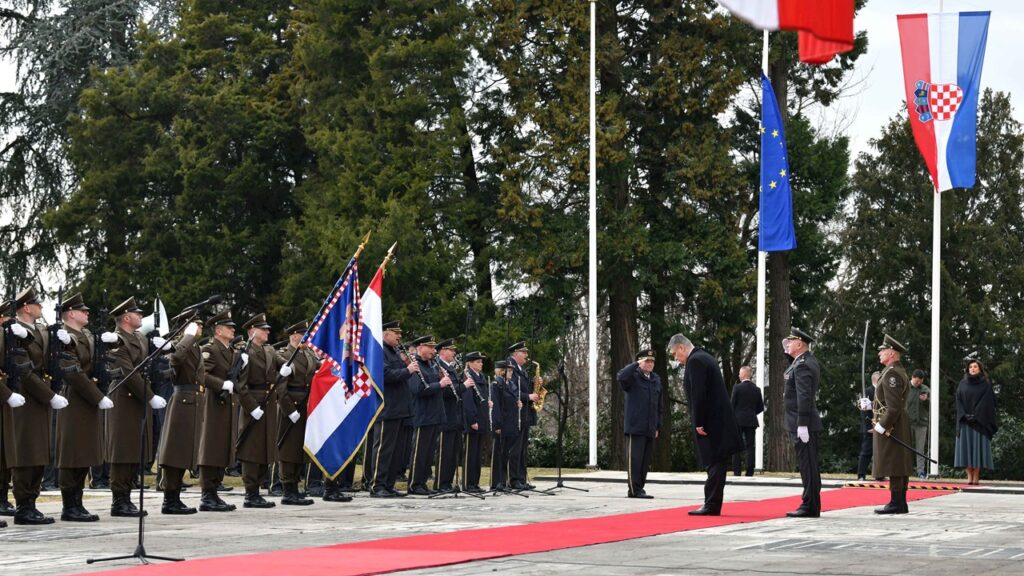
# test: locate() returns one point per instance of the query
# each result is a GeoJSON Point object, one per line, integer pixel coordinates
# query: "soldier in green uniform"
{"type": "Point", "coordinates": [291, 401]}
{"type": "Point", "coordinates": [891, 419]}
{"type": "Point", "coordinates": [9, 400]}
{"type": "Point", "coordinates": [80, 425]}
{"type": "Point", "coordinates": [216, 444]}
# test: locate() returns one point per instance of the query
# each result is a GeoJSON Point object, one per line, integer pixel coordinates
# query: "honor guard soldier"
{"type": "Point", "coordinates": [523, 387]}
{"type": "Point", "coordinates": [802, 419]}
{"type": "Point", "coordinates": [256, 446]}
{"type": "Point", "coordinates": [291, 400]}
{"type": "Point", "coordinates": [32, 421]}
{"type": "Point", "coordinates": [450, 443]}
{"type": "Point", "coordinates": [387, 452]}
{"type": "Point", "coordinates": [643, 404]}
{"type": "Point", "coordinates": [80, 425]}
{"type": "Point", "coordinates": [891, 419]}
{"type": "Point", "coordinates": [181, 433]}
{"type": "Point", "coordinates": [427, 387]}
{"type": "Point", "coordinates": [476, 415]}
{"type": "Point", "coordinates": [216, 444]}
{"type": "Point", "coordinates": [15, 359]}
{"type": "Point", "coordinates": [134, 403]}
{"type": "Point", "coordinates": [506, 423]}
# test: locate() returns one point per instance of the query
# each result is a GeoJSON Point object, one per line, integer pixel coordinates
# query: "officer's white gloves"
{"type": "Point", "coordinates": [19, 330]}
{"type": "Point", "coordinates": [192, 329]}
{"type": "Point", "coordinates": [58, 402]}
{"type": "Point", "coordinates": [256, 413]}
{"type": "Point", "coordinates": [16, 400]}
{"type": "Point", "coordinates": [228, 387]}
{"type": "Point", "coordinates": [879, 428]}
{"type": "Point", "coordinates": [294, 416]}
{"type": "Point", "coordinates": [865, 404]}
{"type": "Point", "coordinates": [108, 337]}
{"type": "Point", "coordinates": [159, 341]}
{"type": "Point", "coordinates": [106, 403]}
{"type": "Point", "coordinates": [803, 434]}
{"type": "Point", "coordinates": [245, 359]}
{"type": "Point", "coordinates": [157, 402]}
{"type": "Point", "coordinates": [63, 336]}
{"type": "Point", "coordinates": [285, 371]}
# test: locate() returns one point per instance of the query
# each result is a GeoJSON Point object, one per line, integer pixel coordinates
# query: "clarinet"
{"type": "Point", "coordinates": [404, 350]}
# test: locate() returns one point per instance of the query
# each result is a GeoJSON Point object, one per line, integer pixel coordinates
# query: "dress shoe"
{"type": "Point", "coordinates": [382, 493]}
{"type": "Point", "coordinates": [213, 503]}
{"type": "Point", "coordinates": [475, 490]}
{"type": "Point", "coordinates": [801, 513]}
{"type": "Point", "coordinates": [420, 491]}
{"type": "Point", "coordinates": [529, 486]}
{"type": "Point", "coordinates": [28, 515]}
{"type": "Point", "coordinates": [640, 494]}
{"type": "Point", "coordinates": [519, 486]}
{"type": "Point", "coordinates": [293, 498]}
{"type": "Point", "coordinates": [123, 507]}
{"type": "Point", "coordinates": [703, 511]}
{"type": "Point", "coordinates": [891, 508]}
{"type": "Point", "coordinates": [335, 496]}
{"type": "Point", "coordinates": [396, 493]}
{"type": "Point", "coordinates": [254, 500]}
{"type": "Point", "coordinates": [173, 505]}
{"type": "Point", "coordinates": [77, 514]}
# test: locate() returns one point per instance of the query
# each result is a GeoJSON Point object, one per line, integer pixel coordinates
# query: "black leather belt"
{"type": "Point", "coordinates": [257, 386]}
{"type": "Point", "coordinates": [296, 388]}
{"type": "Point", "coordinates": [187, 387]}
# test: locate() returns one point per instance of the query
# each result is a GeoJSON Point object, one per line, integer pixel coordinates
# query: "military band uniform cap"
{"type": "Point", "coordinates": [891, 343]}
{"type": "Point", "coordinates": [125, 307]}
{"type": "Point", "coordinates": [473, 356]}
{"type": "Point", "coordinates": [26, 296]}
{"type": "Point", "coordinates": [645, 354]}
{"type": "Point", "coordinates": [501, 365]}
{"type": "Point", "coordinates": [257, 321]}
{"type": "Point", "coordinates": [521, 345]}
{"type": "Point", "coordinates": [222, 318]}
{"type": "Point", "coordinates": [74, 302]}
{"type": "Point", "coordinates": [392, 326]}
{"type": "Point", "coordinates": [5, 307]}
{"type": "Point", "coordinates": [423, 341]}
{"type": "Point", "coordinates": [298, 328]}
{"type": "Point", "coordinates": [446, 344]}
{"type": "Point", "coordinates": [919, 373]}
{"type": "Point", "coordinates": [798, 334]}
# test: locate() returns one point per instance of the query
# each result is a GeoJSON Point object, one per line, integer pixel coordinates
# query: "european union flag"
{"type": "Point", "coordinates": [776, 222]}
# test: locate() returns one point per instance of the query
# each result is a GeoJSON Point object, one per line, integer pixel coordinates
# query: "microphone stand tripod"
{"type": "Point", "coordinates": [563, 416]}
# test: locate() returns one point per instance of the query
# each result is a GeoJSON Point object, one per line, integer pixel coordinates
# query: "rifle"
{"type": "Point", "coordinates": [160, 371]}
{"type": "Point", "coordinates": [303, 406]}
{"type": "Point", "coordinates": [56, 351]}
{"type": "Point", "coordinates": [100, 357]}
{"type": "Point", "coordinates": [263, 405]}
{"type": "Point", "coordinates": [12, 352]}
{"type": "Point", "coordinates": [235, 370]}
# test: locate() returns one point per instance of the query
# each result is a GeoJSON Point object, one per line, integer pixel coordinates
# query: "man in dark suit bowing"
{"type": "Point", "coordinates": [715, 432]}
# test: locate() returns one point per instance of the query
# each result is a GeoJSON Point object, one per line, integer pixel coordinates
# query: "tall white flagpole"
{"type": "Point", "coordinates": [760, 365]}
{"type": "Point", "coordinates": [592, 267]}
{"type": "Point", "coordinates": [936, 380]}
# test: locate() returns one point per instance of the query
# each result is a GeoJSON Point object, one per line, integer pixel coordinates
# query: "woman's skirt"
{"type": "Point", "coordinates": [973, 449]}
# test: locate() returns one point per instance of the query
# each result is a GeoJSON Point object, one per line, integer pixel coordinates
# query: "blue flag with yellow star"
{"type": "Point", "coordinates": [776, 222]}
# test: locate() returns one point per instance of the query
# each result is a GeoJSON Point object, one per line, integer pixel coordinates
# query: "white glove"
{"type": "Point", "coordinates": [63, 336]}
{"type": "Point", "coordinates": [245, 359]}
{"type": "Point", "coordinates": [58, 402]}
{"type": "Point", "coordinates": [294, 416]}
{"type": "Point", "coordinates": [229, 387]}
{"type": "Point", "coordinates": [16, 400]}
{"type": "Point", "coordinates": [865, 404]}
{"type": "Point", "coordinates": [106, 403]}
{"type": "Point", "coordinates": [256, 413]}
{"type": "Point", "coordinates": [19, 330]}
{"type": "Point", "coordinates": [108, 337]}
{"type": "Point", "coordinates": [285, 371]}
{"type": "Point", "coordinates": [879, 428]}
{"type": "Point", "coordinates": [158, 341]}
{"type": "Point", "coordinates": [192, 329]}
{"type": "Point", "coordinates": [157, 402]}
{"type": "Point", "coordinates": [803, 434]}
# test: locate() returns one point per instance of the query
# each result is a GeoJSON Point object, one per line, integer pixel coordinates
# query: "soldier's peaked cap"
{"type": "Point", "coordinates": [798, 334]}
{"type": "Point", "coordinates": [393, 326]}
{"type": "Point", "coordinates": [888, 342]}
{"type": "Point", "coordinates": [222, 318]}
{"type": "Point", "coordinates": [447, 343]}
{"type": "Point", "coordinates": [521, 345]}
{"type": "Point", "coordinates": [257, 321]}
{"type": "Point", "coordinates": [645, 353]}
{"type": "Point", "coordinates": [74, 302]}
{"type": "Point", "coordinates": [473, 356]}
{"type": "Point", "coordinates": [125, 307]}
{"type": "Point", "coordinates": [26, 296]}
{"type": "Point", "coordinates": [427, 340]}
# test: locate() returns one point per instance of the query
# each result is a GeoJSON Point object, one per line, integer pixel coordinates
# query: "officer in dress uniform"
{"type": "Point", "coordinates": [427, 387]}
{"type": "Point", "coordinates": [802, 419]}
{"type": "Point", "coordinates": [643, 403]}
{"type": "Point", "coordinates": [506, 424]}
{"type": "Point", "coordinates": [450, 443]}
{"type": "Point", "coordinates": [134, 403]}
{"type": "Point", "coordinates": [181, 433]}
{"type": "Point", "coordinates": [10, 400]}
{"type": "Point", "coordinates": [477, 419]}
{"type": "Point", "coordinates": [521, 384]}
{"type": "Point", "coordinates": [80, 425]}
{"type": "Point", "coordinates": [891, 419]}
{"type": "Point", "coordinates": [216, 444]}
{"type": "Point", "coordinates": [292, 399]}
{"type": "Point", "coordinates": [387, 452]}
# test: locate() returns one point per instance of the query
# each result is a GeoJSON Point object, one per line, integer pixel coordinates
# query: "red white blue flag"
{"type": "Point", "coordinates": [942, 60]}
{"type": "Point", "coordinates": [825, 27]}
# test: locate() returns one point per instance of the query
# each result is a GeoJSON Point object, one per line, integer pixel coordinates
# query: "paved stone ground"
{"type": "Point", "coordinates": [962, 534]}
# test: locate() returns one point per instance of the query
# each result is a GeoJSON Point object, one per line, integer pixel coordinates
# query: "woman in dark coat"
{"type": "Point", "coordinates": [975, 422]}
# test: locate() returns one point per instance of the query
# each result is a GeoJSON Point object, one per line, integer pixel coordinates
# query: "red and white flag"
{"type": "Point", "coordinates": [825, 26]}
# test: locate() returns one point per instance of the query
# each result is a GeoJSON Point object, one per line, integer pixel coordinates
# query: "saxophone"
{"type": "Point", "coordinates": [538, 388]}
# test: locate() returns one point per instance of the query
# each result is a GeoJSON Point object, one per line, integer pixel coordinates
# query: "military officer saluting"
{"type": "Point", "coordinates": [179, 438]}
{"type": "Point", "coordinates": [451, 429]}
{"type": "Point", "coordinates": [891, 419]}
{"type": "Point", "coordinates": [641, 387]}
{"type": "Point", "coordinates": [291, 400]}
{"type": "Point", "coordinates": [802, 419]}
{"type": "Point", "coordinates": [10, 400]}
{"type": "Point", "coordinates": [80, 425]}
{"type": "Point", "coordinates": [476, 415]}
{"type": "Point", "coordinates": [133, 403]}
{"type": "Point", "coordinates": [385, 452]}
{"type": "Point", "coordinates": [427, 387]}
{"type": "Point", "coordinates": [216, 446]}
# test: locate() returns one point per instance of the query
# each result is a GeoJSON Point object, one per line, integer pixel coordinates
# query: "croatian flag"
{"type": "Point", "coordinates": [942, 61]}
{"type": "Point", "coordinates": [342, 403]}
{"type": "Point", "coordinates": [825, 27]}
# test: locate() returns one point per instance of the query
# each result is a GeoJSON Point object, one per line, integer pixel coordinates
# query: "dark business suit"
{"type": "Point", "coordinates": [746, 405]}
{"type": "Point", "coordinates": [802, 379]}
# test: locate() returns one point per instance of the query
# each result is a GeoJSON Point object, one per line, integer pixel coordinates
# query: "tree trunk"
{"type": "Point", "coordinates": [662, 461]}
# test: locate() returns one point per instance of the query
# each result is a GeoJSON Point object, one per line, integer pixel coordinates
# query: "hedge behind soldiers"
{"type": "Point", "coordinates": [523, 387]}
{"type": "Point", "coordinates": [10, 399]}
{"type": "Point", "coordinates": [891, 459]}
{"type": "Point", "coordinates": [802, 419]}
{"type": "Point", "coordinates": [427, 387]}
{"type": "Point", "coordinates": [216, 444]}
{"type": "Point", "coordinates": [643, 404]}
{"type": "Point", "coordinates": [477, 419]}
{"type": "Point", "coordinates": [291, 400]}
{"type": "Point", "coordinates": [387, 450]}
{"type": "Point", "coordinates": [450, 443]}
{"type": "Point", "coordinates": [80, 425]}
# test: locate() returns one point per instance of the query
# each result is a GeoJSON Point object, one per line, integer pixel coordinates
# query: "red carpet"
{"type": "Point", "coordinates": [410, 552]}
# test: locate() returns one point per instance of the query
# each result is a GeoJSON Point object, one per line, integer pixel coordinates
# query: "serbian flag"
{"type": "Point", "coordinates": [776, 232]}
{"type": "Point", "coordinates": [338, 415]}
{"type": "Point", "coordinates": [942, 60]}
{"type": "Point", "coordinates": [825, 26]}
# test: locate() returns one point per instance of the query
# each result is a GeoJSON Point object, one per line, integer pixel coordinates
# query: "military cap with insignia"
{"type": "Point", "coordinates": [798, 334]}
{"type": "Point", "coordinates": [447, 344]}
{"type": "Point", "coordinates": [74, 302]}
{"type": "Point", "coordinates": [223, 318]}
{"type": "Point", "coordinates": [890, 343]}
{"type": "Point", "coordinates": [645, 354]}
{"type": "Point", "coordinates": [297, 328]}
{"type": "Point", "coordinates": [423, 341]}
{"type": "Point", "coordinates": [521, 345]}
{"type": "Point", "coordinates": [501, 365]}
{"type": "Point", "coordinates": [257, 321]}
{"type": "Point", "coordinates": [125, 307]}
{"type": "Point", "coordinates": [26, 296]}
{"type": "Point", "coordinates": [473, 356]}
{"type": "Point", "coordinates": [392, 326]}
